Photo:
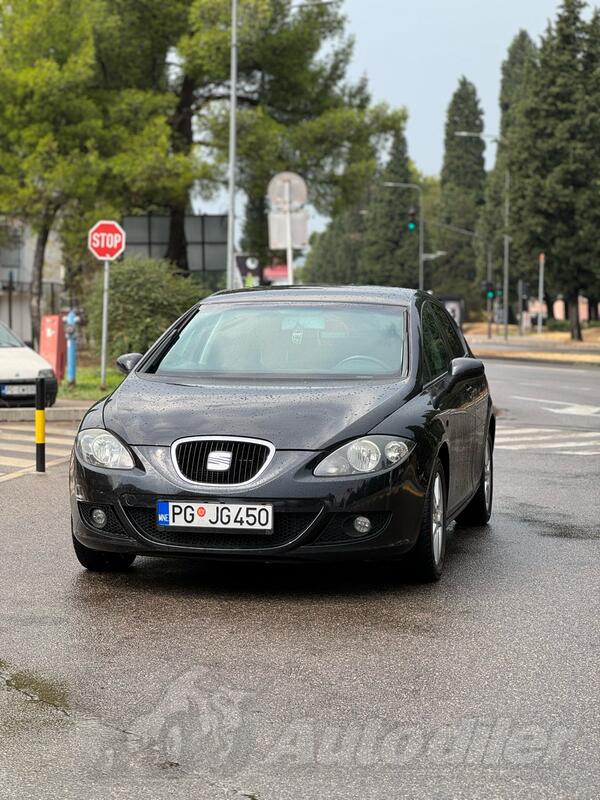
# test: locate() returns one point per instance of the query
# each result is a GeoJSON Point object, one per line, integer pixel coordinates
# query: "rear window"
{"type": "Point", "coordinates": [330, 340]}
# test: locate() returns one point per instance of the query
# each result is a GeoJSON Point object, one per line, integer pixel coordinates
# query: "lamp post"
{"type": "Point", "coordinates": [498, 141]}
{"type": "Point", "coordinates": [232, 145]}
{"type": "Point", "coordinates": [416, 188]}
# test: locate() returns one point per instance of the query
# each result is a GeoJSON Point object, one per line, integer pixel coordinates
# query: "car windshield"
{"type": "Point", "coordinates": [294, 340]}
{"type": "Point", "coordinates": [8, 339]}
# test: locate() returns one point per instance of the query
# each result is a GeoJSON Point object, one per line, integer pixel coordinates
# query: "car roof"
{"type": "Point", "coordinates": [386, 295]}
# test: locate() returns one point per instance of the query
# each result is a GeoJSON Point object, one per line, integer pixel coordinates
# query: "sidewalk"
{"type": "Point", "coordinates": [61, 411]}
{"type": "Point", "coordinates": [526, 348]}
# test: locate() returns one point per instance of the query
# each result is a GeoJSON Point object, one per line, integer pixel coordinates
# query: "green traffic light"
{"type": "Point", "coordinates": [412, 227]}
{"type": "Point", "coordinates": [490, 295]}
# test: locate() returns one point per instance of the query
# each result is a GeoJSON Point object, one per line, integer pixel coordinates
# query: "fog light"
{"type": "Point", "coordinates": [98, 517]}
{"type": "Point", "coordinates": [362, 525]}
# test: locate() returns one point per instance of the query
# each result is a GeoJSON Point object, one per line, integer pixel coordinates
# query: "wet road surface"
{"type": "Point", "coordinates": [186, 680]}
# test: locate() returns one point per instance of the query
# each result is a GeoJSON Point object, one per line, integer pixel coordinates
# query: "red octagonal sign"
{"type": "Point", "coordinates": [106, 240]}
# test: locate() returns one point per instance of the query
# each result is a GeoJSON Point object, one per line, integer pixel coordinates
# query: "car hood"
{"type": "Point", "coordinates": [148, 411]}
{"type": "Point", "coordinates": [20, 362]}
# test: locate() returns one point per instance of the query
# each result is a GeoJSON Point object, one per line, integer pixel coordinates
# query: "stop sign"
{"type": "Point", "coordinates": [106, 240]}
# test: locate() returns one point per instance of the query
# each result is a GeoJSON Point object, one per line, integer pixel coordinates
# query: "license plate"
{"type": "Point", "coordinates": [225, 516]}
{"type": "Point", "coordinates": [16, 389]}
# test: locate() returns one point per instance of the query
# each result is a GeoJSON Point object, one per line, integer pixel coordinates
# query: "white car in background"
{"type": "Point", "coordinates": [20, 366]}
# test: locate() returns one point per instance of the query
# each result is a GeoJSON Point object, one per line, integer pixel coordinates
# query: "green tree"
{"type": "Point", "coordinates": [161, 296]}
{"type": "Point", "coordinates": [555, 157]}
{"type": "Point", "coordinates": [48, 123]}
{"type": "Point", "coordinates": [335, 254]}
{"type": "Point", "coordinates": [296, 110]}
{"type": "Point", "coordinates": [390, 255]}
{"type": "Point", "coordinates": [462, 193]}
{"type": "Point", "coordinates": [515, 75]}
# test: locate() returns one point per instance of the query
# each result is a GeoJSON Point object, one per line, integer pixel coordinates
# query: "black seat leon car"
{"type": "Point", "coordinates": [293, 423]}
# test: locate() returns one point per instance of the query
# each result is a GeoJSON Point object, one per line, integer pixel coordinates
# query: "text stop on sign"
{"type": "Point", "coordinates": [106, 240]}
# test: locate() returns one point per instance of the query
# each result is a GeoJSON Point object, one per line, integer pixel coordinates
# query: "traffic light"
{"type": "Point", "coordinates": [412, 220]}
{"type": "Point", "coordinates": [488, 289]}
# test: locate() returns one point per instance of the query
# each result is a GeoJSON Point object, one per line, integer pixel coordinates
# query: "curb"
{"type": "Point", "coordinates": [52, 414]}
{"type": "Point", "coordinates": [517, 357]}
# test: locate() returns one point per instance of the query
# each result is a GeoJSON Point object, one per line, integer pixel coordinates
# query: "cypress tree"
{"type": "Point", "coordinates": [554, 157]}
{"type": "Point", "coordinates": [462, 193]}
{"type": "Point", "coordinates": [390, 255]}
{"type": "Point", "coordinates": [515, 70]}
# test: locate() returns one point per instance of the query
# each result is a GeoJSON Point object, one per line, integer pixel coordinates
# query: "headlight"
{"type": "Point", "coordinates": [46, 373]}
{"type": "Point", "coordinates": [101, 449]}
{"type": "Point", "coordinates": [364, 456]}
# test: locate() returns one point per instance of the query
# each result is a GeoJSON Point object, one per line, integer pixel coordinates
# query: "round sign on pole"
{"type": "Point", "coordinates": [287, 185]}
{"type": "Point", "coordinates": [106, 240]}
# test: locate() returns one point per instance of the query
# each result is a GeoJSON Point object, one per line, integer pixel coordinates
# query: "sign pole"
{"type": "Point", "coordinates": [107, 241]}
{"type": "Point", "coordinates": [104, 325]}
{"type": "Point", "coordinates": [288, 230]}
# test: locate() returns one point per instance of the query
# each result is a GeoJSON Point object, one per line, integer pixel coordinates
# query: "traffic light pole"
{"type": "Point", "coordinates": [490, 302]}
{"type": "Point", "coordinates": [506, 249]}
{"type": "Point", "coordinates": [541, 292]}
{"type": "Point", "coordinates": [416, 188]}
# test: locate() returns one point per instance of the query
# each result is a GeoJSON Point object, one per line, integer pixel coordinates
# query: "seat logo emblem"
{"type": "Point", "coordinates": [218, 461]}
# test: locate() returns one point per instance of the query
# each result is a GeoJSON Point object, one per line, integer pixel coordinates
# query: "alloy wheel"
{"type": "Point", "coordinates": [437, 518]}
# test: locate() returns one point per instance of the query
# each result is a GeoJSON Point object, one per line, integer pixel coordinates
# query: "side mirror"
{"type": "Point", "coordinates": [466, 369]}
{"type": "Point", "coordinates": [127, 362]}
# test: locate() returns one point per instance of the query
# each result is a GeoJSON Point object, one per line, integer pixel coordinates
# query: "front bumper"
{"type": "Point", "coordinates": [29, 398]}
{"type": "Point", "coordinates": [313, 516]}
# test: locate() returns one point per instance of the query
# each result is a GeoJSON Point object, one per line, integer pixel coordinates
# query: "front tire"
{"type": "Point", "coordinates": [430, 550]}
{"type": "Point", "coordinates": [479, 510]}
{"type": "Point", "coordinates": [101, 561]}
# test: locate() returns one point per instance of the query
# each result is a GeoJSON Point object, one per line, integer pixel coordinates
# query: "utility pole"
{"type": "Point", "coordinates": [232, 145]}
{"type": "Point", "coordinates": [416, 188]}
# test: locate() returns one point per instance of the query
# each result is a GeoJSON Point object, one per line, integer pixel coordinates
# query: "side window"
{"type": "Point", "coordinates": [435, 350]}
{"type": "Point", "coordinates": [457, 348]}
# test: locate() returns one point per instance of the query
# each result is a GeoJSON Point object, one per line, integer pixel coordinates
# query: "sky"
{"type": "Point", "coordinates": [414, 52]}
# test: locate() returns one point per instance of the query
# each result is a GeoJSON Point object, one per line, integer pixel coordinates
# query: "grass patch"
{"type": "Point", "coordinates": [87, 386]}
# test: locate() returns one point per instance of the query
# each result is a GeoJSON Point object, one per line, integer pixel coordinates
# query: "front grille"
{"type": "Point", "coordinates": [287, 527]}
{"type": "Point", "coordinates": [247, 459]}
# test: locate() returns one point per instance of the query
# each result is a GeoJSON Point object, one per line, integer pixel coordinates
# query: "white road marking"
{"type": "Point", "coordinates": [17, 442]}
{"type": "Point", "coordinates": [514, 437]}
{"type": "Point", "coordinates": [10, 447]}
{"type": "Point", "coordinates": [576, 409]}
{"type": "Point", "coordinates": [65, 441]}
{"type": "Point", "coordinates": [548, 446]}
{"type": "Point", "coordinates": [560, 440]}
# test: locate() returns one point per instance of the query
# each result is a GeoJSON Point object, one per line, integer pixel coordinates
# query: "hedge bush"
{"type": "Point", "coordinates": [558, 325]}
{"type": "Point", "coordinates": [146, 296]}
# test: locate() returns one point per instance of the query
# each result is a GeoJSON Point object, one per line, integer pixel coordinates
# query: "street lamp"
{"type": "Point", "coordinates": [415, 188]}
{"type": "Point", "coordinates": [498, 140]}
{"type": "Point", "coordinates": [233, 130]}
{"type": "Point", "coordinates": [232, 144]}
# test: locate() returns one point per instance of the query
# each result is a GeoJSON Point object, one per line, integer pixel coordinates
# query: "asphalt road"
{"type": "Point", "coordinates": [187, 681]}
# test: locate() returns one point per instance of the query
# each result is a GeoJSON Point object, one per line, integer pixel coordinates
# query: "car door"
{"type": "Point", "coordinates": [450, 402]}
{"type": "Point", "coordinates": [476, 396]}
